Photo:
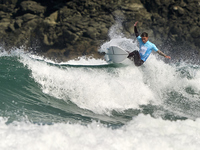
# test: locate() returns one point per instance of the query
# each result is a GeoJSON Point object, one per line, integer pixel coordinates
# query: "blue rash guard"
{"type": "Point", "coordinates": [146, 48]}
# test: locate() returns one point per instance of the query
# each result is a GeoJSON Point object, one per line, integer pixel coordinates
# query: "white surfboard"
{"type": "Point", "coordinates": [116, 54]}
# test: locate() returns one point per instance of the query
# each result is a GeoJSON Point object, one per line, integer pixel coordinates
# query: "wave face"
{"type": "Point", "coordinates": [90, 104]}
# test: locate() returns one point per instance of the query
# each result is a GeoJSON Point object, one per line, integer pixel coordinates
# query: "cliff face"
{"type": "Point", "coordinates": [176, 20]}
{"type": "Point", "coordinates": [71, 28]}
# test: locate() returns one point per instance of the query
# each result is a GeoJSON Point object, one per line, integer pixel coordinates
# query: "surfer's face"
{"type": "Point", "coordinates": [144, 39]}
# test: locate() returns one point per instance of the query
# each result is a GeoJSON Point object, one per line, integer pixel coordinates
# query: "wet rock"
{"type": "Point", "coordinates": [52, 19]}
{"type": "Point", "coordinates": [18, 23]}
{"type": "Point", "coordinates": [71, 28]}
{"type": "Point", "coordinates": [175, 19]}
{"type": "Point", "coordinates": [132, 7]}
{"type": "Point", "coordinates": [91, 33]}
{"type": "Point", "coordinates": [27, 17]}
{"type": "Point", "coordinates": [195, 32]}
{"type": "Point", "coordinates": [32, 7]}
{"type": "Point", "coordinates": [4, 25]}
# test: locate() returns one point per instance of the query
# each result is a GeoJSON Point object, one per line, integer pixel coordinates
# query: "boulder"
{"type": "Point", "coordinates": [32, 7]}
{"type": "Point", "coordinates": [52, 19]}
{"type": "Point", "coordinates": [195, 32]}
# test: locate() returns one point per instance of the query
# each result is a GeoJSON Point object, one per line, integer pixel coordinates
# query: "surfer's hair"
{"type": "Point", "coordinates": [144, 34]}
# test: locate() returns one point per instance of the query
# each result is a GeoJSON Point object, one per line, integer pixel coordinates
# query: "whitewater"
{"type": "Point", "coordinates": [91, 104]}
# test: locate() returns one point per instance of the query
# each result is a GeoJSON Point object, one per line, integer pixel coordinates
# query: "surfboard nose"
{"type": "Point", "coordinates": [116, 54]}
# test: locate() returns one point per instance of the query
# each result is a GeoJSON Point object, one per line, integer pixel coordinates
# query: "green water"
{"type": "Point", "coordinates": [23, 99]}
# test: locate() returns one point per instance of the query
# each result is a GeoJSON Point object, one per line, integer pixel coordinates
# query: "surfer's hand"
{"type": "Point", "coordinates": [168, 57]}
{"type": "Point", "coordinates": [135, 23]}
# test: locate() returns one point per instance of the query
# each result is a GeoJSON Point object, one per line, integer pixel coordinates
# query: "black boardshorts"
{"type": "Point", "coordinates": [135, 56]}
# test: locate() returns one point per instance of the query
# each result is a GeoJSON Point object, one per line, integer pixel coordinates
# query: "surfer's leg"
{"type": "Point", "coordinates": [131, 54]}
{"type": "Point", "coordinates": [139, 62]}
{"type": "Point", "coordinates": [137, 59]}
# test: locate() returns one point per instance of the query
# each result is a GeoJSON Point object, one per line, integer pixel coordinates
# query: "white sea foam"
{"type": "Point", "coordinates": [104, 89]}
{"type": "Point", "coordinates": [99, 90]}
{"type": "Point", "coordinates": [142, 133]}
{"type": "Point", "coordinates": [12, 52]}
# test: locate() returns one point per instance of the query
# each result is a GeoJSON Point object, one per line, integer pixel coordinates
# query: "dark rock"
{"type": "Point", "coordinates": [18, 23]}
{"type": "Point", "coordinates": [4, 15]}
{"type": "Point", "coordinates": [91, 33]}
{"type": "Point", "coordinates": [11, 28]}
{"type": "Point", "coordinates": [197, 42]}
{"type": "Point", "coordinates": [9, 8]}
{"type": "Point", "coordinates": [195, 32]}
{"type": "Point", "coordinates": [71, 28]}
{"type": "Point", "coordinates": [32, 7]}
{"type": "Point", "coordinates": [27, 17]}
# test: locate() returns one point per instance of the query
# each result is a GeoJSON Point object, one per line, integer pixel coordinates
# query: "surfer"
{"type": "Point", "coordinates": [146, 48]}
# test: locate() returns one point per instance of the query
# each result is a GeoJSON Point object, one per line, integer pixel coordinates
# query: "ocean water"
{"type": "Point", "coordinates": [92, 105]}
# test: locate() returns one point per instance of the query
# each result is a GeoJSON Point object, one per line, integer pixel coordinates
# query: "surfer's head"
{"type": "Point", "coordinates": [145, 37]}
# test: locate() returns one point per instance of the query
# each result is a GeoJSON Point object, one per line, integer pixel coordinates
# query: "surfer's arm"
{"type": "Point", "coordinates": [135, 30]}
{"type": "Point", "coordinates": [163, 54]}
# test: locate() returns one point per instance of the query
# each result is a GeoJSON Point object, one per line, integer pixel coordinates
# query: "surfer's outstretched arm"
{"type": "Point", "coordinates": [135, 29]}
{"type": "Point", "coordinates": [162, 54]}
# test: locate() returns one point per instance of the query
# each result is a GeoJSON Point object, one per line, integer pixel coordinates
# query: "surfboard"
{"type": "Point", "coordinates": [116, 54]}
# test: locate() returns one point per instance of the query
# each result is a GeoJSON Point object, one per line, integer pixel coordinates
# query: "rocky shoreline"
{"type": "Point", "coordinates": [67, 29]}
